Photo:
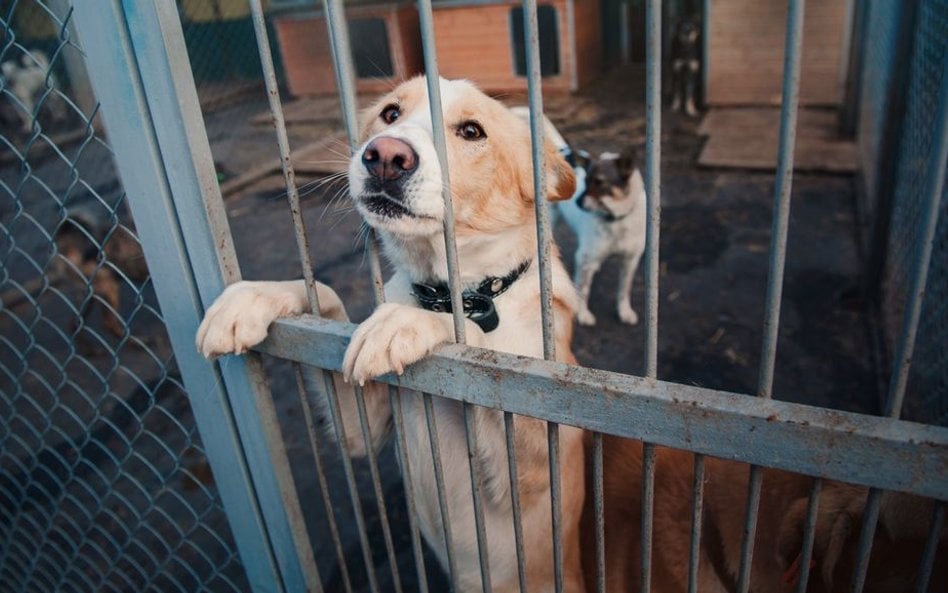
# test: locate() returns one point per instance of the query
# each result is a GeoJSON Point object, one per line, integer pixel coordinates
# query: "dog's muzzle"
{"type": "Point", "coordinates": [389, 162]}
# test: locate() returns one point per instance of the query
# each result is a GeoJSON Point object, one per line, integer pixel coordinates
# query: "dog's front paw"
{"type": "Point", "coordinates": [627, 314]}
{"type": "Point", "coordinates": [391, 339]}
{"type": "Point", "coordinates": [585, 317]}
{"type": "Point", "coordinates": [240, 317]}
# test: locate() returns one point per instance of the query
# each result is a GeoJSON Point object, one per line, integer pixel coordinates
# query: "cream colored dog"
{"type": "Point", "coordinates": [396, 185]}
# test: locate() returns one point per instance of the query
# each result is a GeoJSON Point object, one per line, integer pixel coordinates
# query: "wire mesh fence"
{"type": "Point", "coordinates": [104, 485]}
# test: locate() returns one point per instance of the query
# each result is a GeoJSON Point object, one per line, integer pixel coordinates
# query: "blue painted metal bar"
{"type": "Point", "coordinates": [435, 445]}
{"type": "Point", "coordinates": [934, 188]}
{"type": "Point", "coordinates": [321, 478]}
{"type": "Point", "coordinates": [163, 168]}
{"type": "Point", "coordinates": [395, 401]}
{"type": "Point", "coordinates": [599, 514]}
{"type": "Point", "coordinates": [653, 160]}
{"type": "Point", "coordinates": [648, 515]}
{"type": "Point", "coordinates": [515, 500]}
{"type": "Point", "coordinates": [870, 517]}
{"type": "Point", "coordinates": [653, 198]}
{"type": "Point", "coordinates": [470, 433]}
{"type": "Point", "coordinates": [697, 509]}
{"type": "Point", "coordinates": [809, 533]}
{"type": "Point", "coordinates": [432, 78]}
{"type": "Point", "coordinates": [337, 27]}
{"type": "Point", "coordinates": [340, 433]}
{"type": "Point", "coordinates": [302, 242]}
{"type": "Point", "coordinates": [931, 549]}
{"type": "Point", "coordinates": [864, 450]}
{"type": "Point", "coordinates": [531, 34]}
{"type": "Point", "coordinates": [793, 50]}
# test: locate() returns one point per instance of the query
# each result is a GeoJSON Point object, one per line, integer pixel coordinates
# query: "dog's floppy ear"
{"type": "Point", "coordinates": [627, 162]}
{"type": "Point", "coordinates": [561, 179]}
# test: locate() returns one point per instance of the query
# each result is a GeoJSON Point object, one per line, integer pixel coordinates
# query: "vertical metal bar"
{"type": "Point", "coordinates": [793, 49]}
{"type": "Point", "coordinates": [571, 33]}
{"type": "Point", "coordinates": [905, 348]}
{"type": "Point", "coordinates": [321, 477]}
{"type": "Point", "coordinates": [515, 499]}
{"type": "Point", "coordinates": [648, 504]}
{"type": "Point", "coordinates": [544, 240]}
{"type": "Point", "coordinates": [697, 510]}
{"type": "Point", "coordinates": [377, 488]}
{"type": "Point", "coordinates": [340, 432]}
{"type": "Point", "coordinates": [809, 533]}
{"type": "Point", "coordinates": [342, 65]}
{"type": "Point", "coordinates": [782, 187]}
{"type": "Point", "coordinates": [470, 433]}
{"type": "Point", "coordinates": [435, 444]}
{"type": "Point", "coordinates": [544, 233]}
{"type": "Point", "coordinates": [870, 518]}
{"type": "Point", "coordinates": [706, 51]}
{"type": "Point", "coordinates": [599, 514]}
{"type": "Point", "coordinates": [432, 78]}
{"type": "Point", "coordinates": [395, 400]}
{"type": "Point", "coordinates": [302, 242]}
{"type": "Point", "coordinates": [653, 144]}
{"type": "Point", "coordinates": [166, 168]}
{"type": "Point", "coordinates": [931, 548]}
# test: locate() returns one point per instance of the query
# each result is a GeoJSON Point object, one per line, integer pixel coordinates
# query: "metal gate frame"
{"type": "Point", "coordinates": [139, 67]}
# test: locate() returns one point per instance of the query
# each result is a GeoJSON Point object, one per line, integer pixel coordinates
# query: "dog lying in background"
{"type": "Point", "coordinates": [396, 185]}
{"type": "Point", "coordinates": [897, 549]}
{"type": "Point", "coordinates": [686, 64]}
{"type": "Point", "coordinates": [101, 258]}
{"type": "Point", "coordinates": [27, 79]}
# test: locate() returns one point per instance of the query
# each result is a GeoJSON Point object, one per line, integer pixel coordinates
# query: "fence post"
{"type": "Point", "coordinates": [139, 68]}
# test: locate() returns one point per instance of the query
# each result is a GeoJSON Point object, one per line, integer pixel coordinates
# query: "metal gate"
{"type": "Point", "coordinates": [139, 67]}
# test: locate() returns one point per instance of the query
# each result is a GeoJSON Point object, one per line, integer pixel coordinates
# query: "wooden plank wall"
{"type": "Point", "coordinates": [747, 42]}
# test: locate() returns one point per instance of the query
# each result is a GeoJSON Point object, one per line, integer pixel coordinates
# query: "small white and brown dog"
{"type": "Point", "coordinates": [28, 78]}
{"type": "Point", "coordinates": [608, 219]}
{"type": "Point", "coordinates": [396, 185]}
{"type": "Point", "coordinates": [607, 214]}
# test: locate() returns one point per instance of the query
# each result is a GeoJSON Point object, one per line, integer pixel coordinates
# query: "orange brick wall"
{"type": "Point", "coordinates": [307, 56]}
{"type": "Point", "coordinates": [474, 42]}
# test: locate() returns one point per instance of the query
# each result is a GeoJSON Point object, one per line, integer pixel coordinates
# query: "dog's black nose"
{"type": "Point", "coordinates": [387, 158]}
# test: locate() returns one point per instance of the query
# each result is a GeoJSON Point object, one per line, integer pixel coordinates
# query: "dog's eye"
{"type": "Point", "coordinates": [390, 113]}
{"type": "Point", "coordinates": [471, 130]}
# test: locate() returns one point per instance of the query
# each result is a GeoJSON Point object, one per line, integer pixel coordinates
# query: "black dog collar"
{"type": "Point", "coordinates": [478, 302]}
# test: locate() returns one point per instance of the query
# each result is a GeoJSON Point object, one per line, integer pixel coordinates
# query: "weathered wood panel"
{"type": "Point", "coordinates": [746, 52]}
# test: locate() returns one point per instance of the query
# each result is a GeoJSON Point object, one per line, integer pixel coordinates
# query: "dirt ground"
{"type": "Point", "coordinates": [715, 235]}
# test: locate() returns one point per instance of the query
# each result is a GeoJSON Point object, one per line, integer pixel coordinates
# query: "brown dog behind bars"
{"type": "Point", "coordinates": [896, 554]}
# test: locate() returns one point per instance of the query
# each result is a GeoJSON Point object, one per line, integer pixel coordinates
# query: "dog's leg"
{"type": "Point", "coordinates": [690, 78]}
{"type": "Point", "coordinates": [627, 273]}
{"type": "Point", "coordinates": [240, 317]}
{"type": "Point", "coordinates": [586, 269]}
{"type": "Point", "coordinates": [395, 336]}
{"type": "Point", "coordinates": [676, 85]}
{"type": "Point", "coordinates": [106, 286]}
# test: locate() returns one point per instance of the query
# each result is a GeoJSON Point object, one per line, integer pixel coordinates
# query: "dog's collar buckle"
{"type": "Point", "coordinates": [478, 302]}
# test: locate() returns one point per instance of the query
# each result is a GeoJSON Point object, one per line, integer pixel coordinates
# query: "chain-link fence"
{"type": "Point", "coordinates": [104, 485]}
{"type": "Point", "coordinates": [905, 49]}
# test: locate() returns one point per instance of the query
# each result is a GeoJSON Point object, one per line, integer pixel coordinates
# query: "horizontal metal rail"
{"type": "Point", "coordinates": [865, 450]}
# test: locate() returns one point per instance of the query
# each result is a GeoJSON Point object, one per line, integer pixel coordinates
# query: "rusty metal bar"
{"type": "Point", "coordinates": [809, 533]}
{"type": "Point", "coordinates": [599, 514]}
{"type": "Point", "coordinates": [697, 509]}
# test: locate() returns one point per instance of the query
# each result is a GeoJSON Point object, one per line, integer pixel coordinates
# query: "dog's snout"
{"type": "Point", "coordinates": [388, 158]}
